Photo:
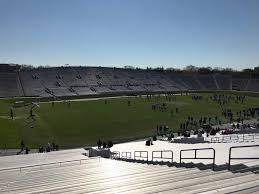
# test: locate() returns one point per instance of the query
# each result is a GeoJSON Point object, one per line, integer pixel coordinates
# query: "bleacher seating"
{"type": "Point", "coordinates": [207, 81]}
{"type": "Point", "coordinates": [8, 85]}
{"type": "Point", "coordinates": [99, 175]}
{"type": "Point", "coordinates": [224, 81]}
{"type": "Point", "coordinates": [191, 82]}
{"type": "Point", "coordinates": [239, 83]}
{"type": "Point", "coordinates": [71, 81]}
{"type": "Point", "coordinates": [253, 85]}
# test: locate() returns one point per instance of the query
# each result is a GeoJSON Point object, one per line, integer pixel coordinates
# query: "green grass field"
{"type": "Point", "coordinates": [86, 121]}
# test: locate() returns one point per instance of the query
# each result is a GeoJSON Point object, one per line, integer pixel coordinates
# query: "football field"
{"type": "Point", "coordinates": [81, 123]}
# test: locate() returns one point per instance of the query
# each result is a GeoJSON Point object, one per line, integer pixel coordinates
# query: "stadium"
{"type": "Point", "coordinates": [129, 97]}
{"type": "Point", "coordinates": [174, 125]}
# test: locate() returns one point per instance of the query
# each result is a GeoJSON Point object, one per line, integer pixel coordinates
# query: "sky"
{"type": "Point", "coordinates": [141, 33]}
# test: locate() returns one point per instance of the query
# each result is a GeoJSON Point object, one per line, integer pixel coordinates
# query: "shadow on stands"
{"type": "Point", "coordinates": [235, 168]}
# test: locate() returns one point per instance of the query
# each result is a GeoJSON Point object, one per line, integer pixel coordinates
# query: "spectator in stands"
{"type": "Point", "coordinates": [27, 150]}
{"type": "Point", "coordinates": [22, 145]}
{"type": "Point", "coordinates": [99, 144]}
{"type": "Point", "coordinates": [109, 144]}
{"type": "Point", "coordinates": [53, 145]}
{"type": "Point", "coordinates": [48, 149]}
{"type": "Point", "coordinates": [104, 145]}
{"type": "Point", "coordinates": [41, 149]}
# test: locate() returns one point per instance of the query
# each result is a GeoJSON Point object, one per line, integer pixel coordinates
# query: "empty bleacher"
{"type": "Point", "coordinates": [239, 83]}
{"type": "Point", "coordinates": [223, 81]}
{"type": "Point", "coordinates": [71, 81]}
{"type": "Point", "coordinates": [99, 175]}
{"type": "Point", "coordinates": [207, 81]}
{"type": "Point", "coordinates": [8, 85]}
{"type": "Point", "coordinates": [253, 85]}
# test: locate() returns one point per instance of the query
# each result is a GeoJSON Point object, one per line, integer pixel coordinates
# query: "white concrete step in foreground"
{"type": "Point", "coordinates": [111, 176]}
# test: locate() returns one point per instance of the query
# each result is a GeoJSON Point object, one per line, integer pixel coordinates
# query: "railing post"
{"type": "Point", "coordinates": [181, 158]}
{"type": "Point", "coordinates": [214, 156]}
{"type": "Point", "coordinates": [229, 158]}
{"type": "Point", "coordinates": [195, 153]}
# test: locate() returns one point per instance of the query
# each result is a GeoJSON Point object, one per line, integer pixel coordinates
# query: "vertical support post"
{"type": "Point", "coordinates": [181, 158]}
{"type": "Point", "coordinates": [214, 156]}
{"type": "Point", "coordinates": [229, 158]}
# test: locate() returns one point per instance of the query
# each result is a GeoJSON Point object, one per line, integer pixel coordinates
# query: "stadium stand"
{"type": "Point", "coordinates": [9, 85]}
{"type": "Point", "coordinates": [71, 172]}
{"type": "Point", "coordinates": [223, 81]}
{"type": "Point", "coordinates": [239, 84]}
{"type": "Point", "coordinates": [253, 85]}
{"type": "Point", "coordinates": [73, 81]}
{"type": "Point", "coordinates": [207, 81]}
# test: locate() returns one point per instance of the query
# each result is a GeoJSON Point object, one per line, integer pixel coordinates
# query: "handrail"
{"type": "Point", "coordinates": [200, 158]}
{"type": "Point", "coordinates": [161, 155]}
{"type": "Point", "coordinates": [236, 137]}
{"type": "Point", "coordinates": [125, 155]}
{"type": "Point", "coordinates": [115, 154]}
{"type": "Point", "coordinates": [234, 147]}
{"type": "Point", "coordinates": [44, 164]}
{"type": "Point", "coordinates": [140, 155]}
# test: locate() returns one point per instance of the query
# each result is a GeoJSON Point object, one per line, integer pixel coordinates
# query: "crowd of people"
{"type": "Point", "coordinates": [103, 144]}
{"type": "Point", "coordinates": [50, 147]}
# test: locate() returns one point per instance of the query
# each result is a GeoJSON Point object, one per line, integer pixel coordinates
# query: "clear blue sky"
{"type": "Point", "coordinates": [169, 33]}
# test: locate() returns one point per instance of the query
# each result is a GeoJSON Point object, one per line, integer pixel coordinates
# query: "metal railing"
{"type": "Point", "coordinates": [138, 154]}
{"type": "Point", "coordinates": [234, 158]}
{"type": "Point", "coordinates": [235, 138]}
{"type": "Point", "coordinates": [200, 158]}
{"type": "Point", "coordinates": [44, 164]}
{"type": "Point", "coordinates": [161, 155]}
{"type": "Point", "coordinates": [126, 155]}
{"type": "Point", "coordinates": [115, 154]}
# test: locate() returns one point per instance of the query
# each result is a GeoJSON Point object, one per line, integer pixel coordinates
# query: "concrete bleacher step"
{"type": "Point", "coordinates": [135, 179]}
{"type": "Point", "coordinates": [224, 183]}
{"type": "Point", "coordinates": [178, 184]}
{"type": "Point", "coordinates": [97, 179]}
{"type": "Point", "coordinates": [183, 188]}
{"type": "Point", "coordinates": [92, 180]}
{"type": "Point", "coordinates": [246, 187]}
{"type": "Point", "coordinates": [151, 182]}
{"type": "Point", "coordinates": [99, 175]}
{"type": "Point", "coordinates": [38, 176]}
